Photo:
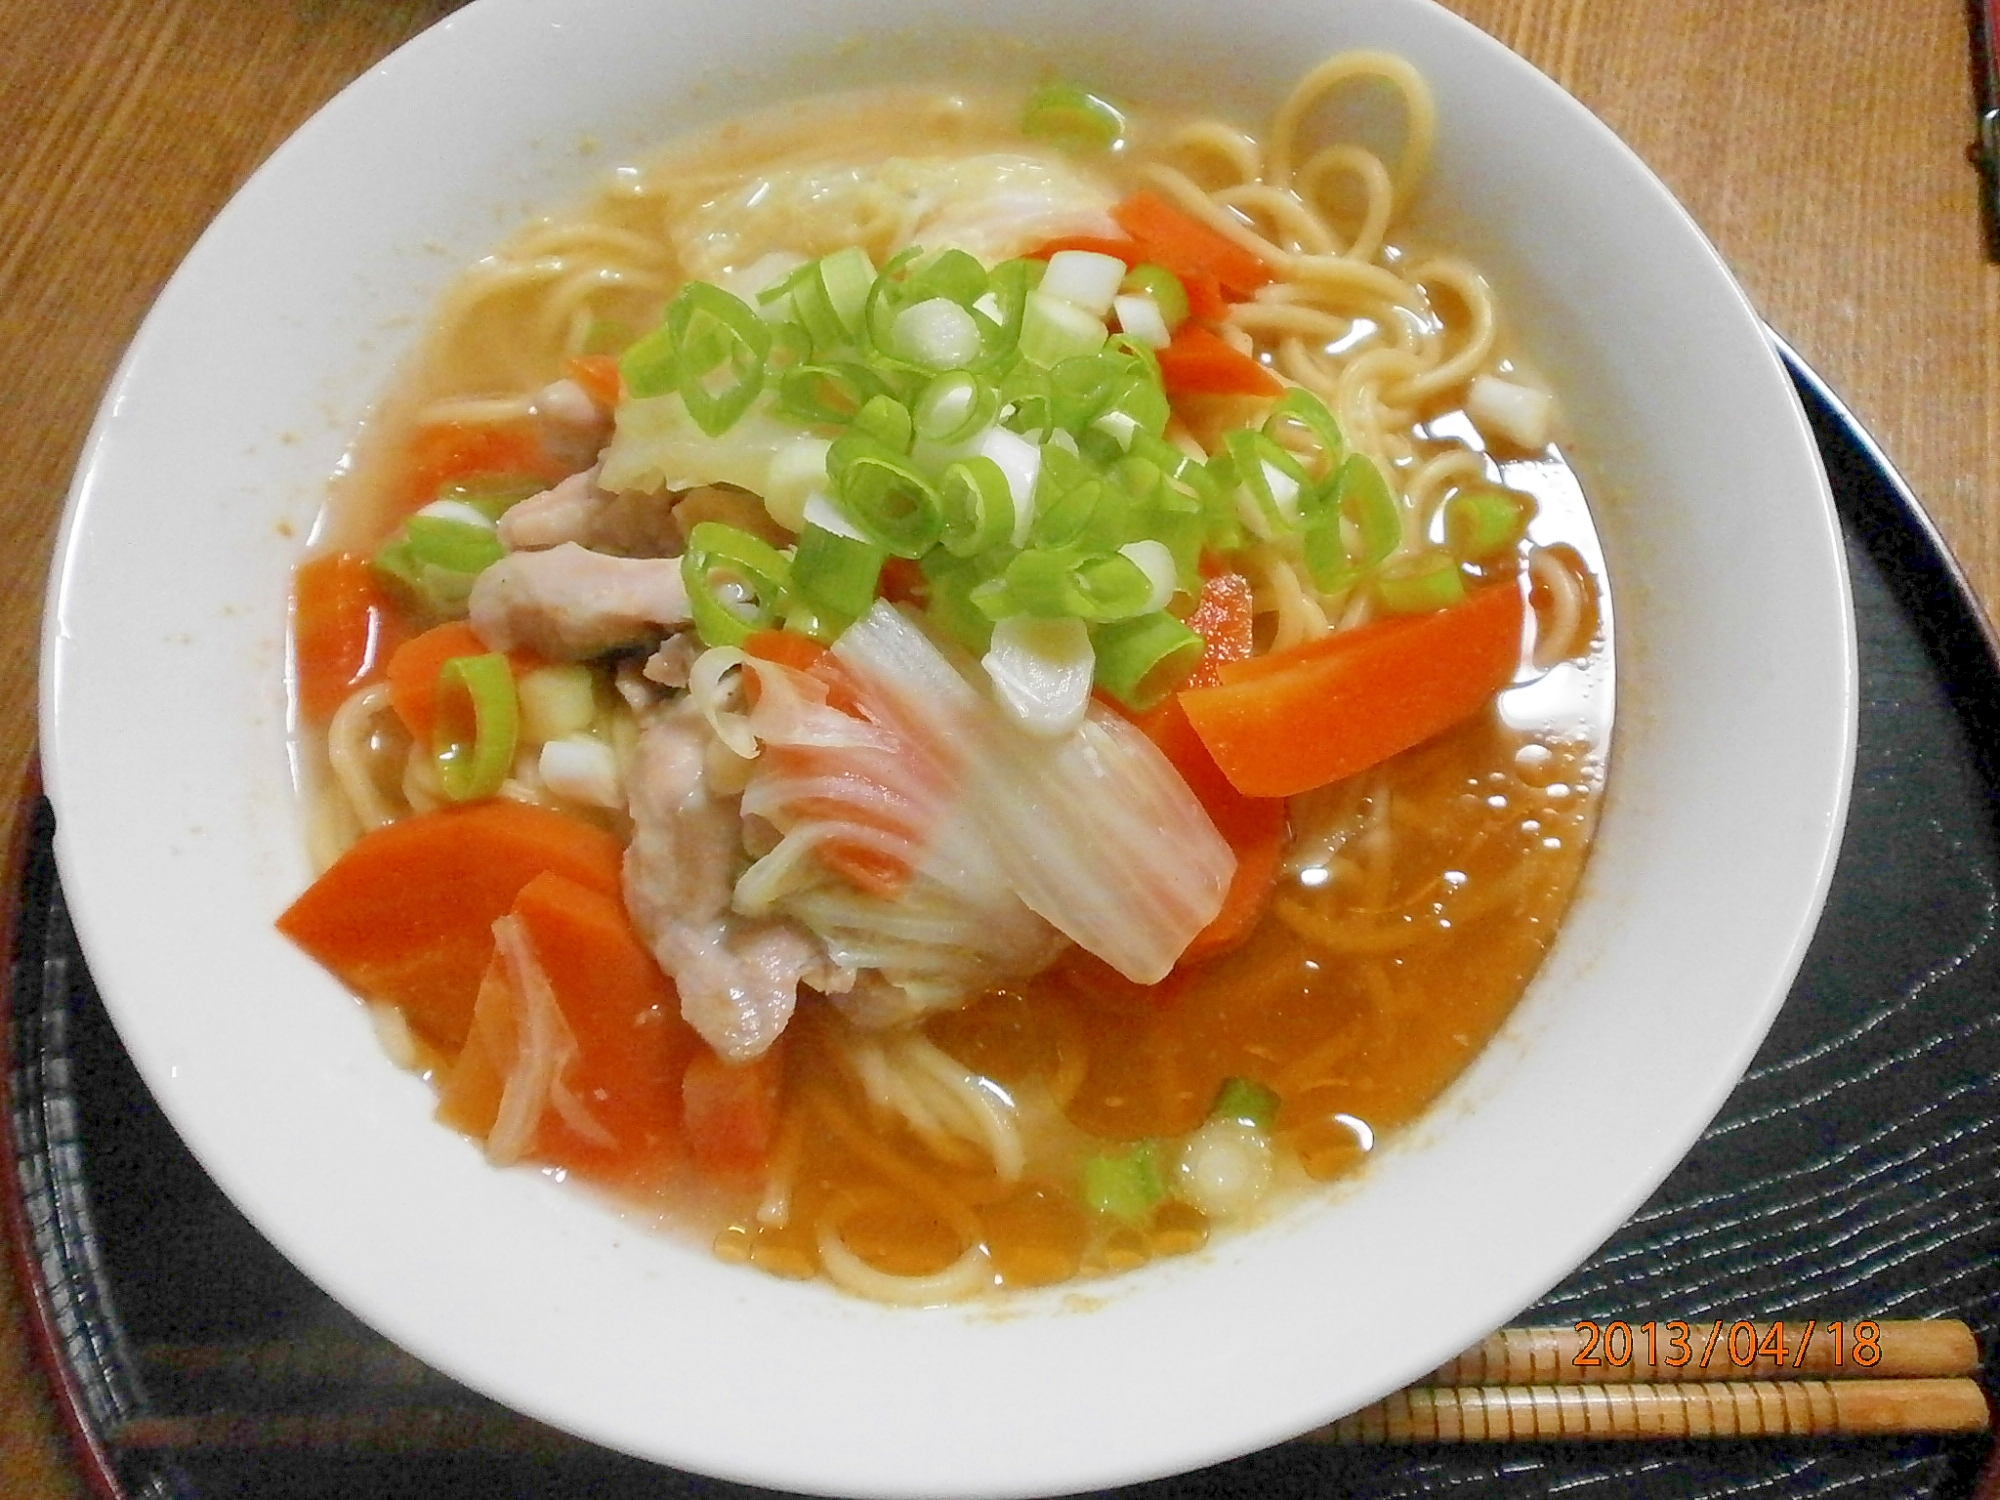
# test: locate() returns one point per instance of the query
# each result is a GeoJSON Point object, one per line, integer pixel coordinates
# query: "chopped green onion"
{"type": "Point", "coordinates": [1485, 521]}
{"type": "Point", "coordinates": [477, 726]}
{"type": "Point", "coordinates": [735, 583]}
{"type": "Point", "coordinates": [1362, 497]}
{"type": "Point", "coordinates": [847, 276]}
{"type": "Point", "coordinates": [1113, 587]}
{"type": "Point", "coordinates": [1302, 417]}
{"type": "Point", "coordinates": [1162, 287]}
{"type": "Point", "coordinates": [828, 393]}
{"type": "Point", "coordinates": [493, 495]}
{"type": "Point", "coordinates": [1125, 1184]}
{"type": "Point", "coordinates": [1027, 405]}
{"type": "Point", "coordinates": [884, 495]}
{"type": "Point", "coordinates": [1245, 1101]}
{"type": "Point", "coordinates": [720, 347]}
{"type": "Point", "coordinates": [1140, 661]}
{"type": "Point", "coordinates": [435, 558]}
{"type": "Point", "coordinates": [1067, 116]}
{"type": "Point", "coordinates": [977, 506]}
{"type": "Point", "coordinates": [950, 583]}
{"type": "Point", "coordinates": [649, 366]}
{"type": "Point", "coordinates": [834, 569]}
{"type": "Point", "coordinates": [1419, 583]}
{"type": "Point", "coordinates": [1156, 560]}
{"type": "Point", "coordinates": [1362, 526]}
{"type": "Point", "coordinates": [1054, 329]}
{"type": "Point", "coordinates": [1272, 488]}
{"type": "Point", "coordinates": [954, 407]}
{"type": "Point", "coordinates": [886, 420]}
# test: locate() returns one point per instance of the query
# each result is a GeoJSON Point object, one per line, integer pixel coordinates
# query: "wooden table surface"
{"type": "Point", "coordinates": [1820, 143]}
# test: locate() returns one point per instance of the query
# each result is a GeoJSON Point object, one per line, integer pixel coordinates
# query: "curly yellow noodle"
{"type": "Point", "coordinates": [1239, 155]}
{"type": "Point", "coordinates": [1427, 486]}
{"type": "Point", "coordinates": [1378, 190]}
{"type": "Point", "coordinates": [1477, 345]}
{"type": "Point", "coordinates": [1291, 224]}
{"type": "Point", "coordinates": [350, 751]}
{"type": "Point", "coordinates": [1419, 114]}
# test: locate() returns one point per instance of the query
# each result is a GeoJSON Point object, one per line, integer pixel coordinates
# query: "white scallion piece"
{"type": "Point", "coordinates": [1225, 1168]}
{"type": "Point", "coordinates": [1084, 277]}
{"type": "Point", "coordinates": [937, 333]}
{"type": "Point", "coordinates": [1041, 671]}
{"type": "Point", "coordinates": [1140, 317]}
{"type": "Point", "coordinates": [823, 513]}
{"type": "Point", "coordinates": [797, 470]}
{"type": "Point", "coordinates": [583, 770]}
{"type": "Point", "coordinates": [1021, 462]}
{"type": "Point", "coordinates": [1157, 563]}
{"type": "Point", "coordinates": [1522, 414]}
{"type": "Point", "coordinates": [459, 511]}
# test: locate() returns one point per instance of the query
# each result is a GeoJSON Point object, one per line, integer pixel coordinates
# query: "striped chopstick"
{"type": "Point", "coordinates": [1598, 1380]}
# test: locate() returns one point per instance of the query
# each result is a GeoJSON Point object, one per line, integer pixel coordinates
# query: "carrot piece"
{"type": "Point", "coordinates": [448, 452]}
{"type": "Point", "coordinates": [1199, 363]}
{"type": "Point", "coordinates": [598, 375]}
{"type": "Point", "coordinates": [406, 915]}
{"type": "Point", "coordinates": [1293, 720]}
{"type": "Point", "coordinates": [622, 1012]}
{"type": "Point", "coordinates": [1257, 829]}
{"type": "Point", "coordinates": [731, 1111]}
{"type": "Point", "coordinates": [413, 672]}
{"type": "Point", "coordinates": [344, 627]}
{"type": "Point", "coordinates": [1188, 247]}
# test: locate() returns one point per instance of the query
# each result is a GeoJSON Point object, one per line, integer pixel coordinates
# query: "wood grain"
{"type": "Point", "coordinates": [1819, 143]}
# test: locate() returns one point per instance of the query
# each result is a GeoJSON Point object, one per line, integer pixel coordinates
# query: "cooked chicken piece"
{"type": "Point", "coordinates": [579, 510]}
{"type": "Point", "coordinates": [568, 603]}
{"type": "Point", "coordinates": [738, 976]}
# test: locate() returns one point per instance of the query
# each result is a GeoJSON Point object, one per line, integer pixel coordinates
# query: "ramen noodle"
{"type": "Point", "coordinates": [956, 716]}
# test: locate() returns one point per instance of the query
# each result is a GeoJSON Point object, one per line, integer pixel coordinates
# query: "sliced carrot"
{"type": "Point", "coordinates": [731, 1111]}
{"type": "Point", "coordinates": [413, 672]}
{"type": "Point", "coordinates": [406, 915]}
{"type": "Point", "coordinates": [1292, 720]}
{"type": "Point", "coordinates": [451, 452]}
{"type": "Point", "coordinates": [1199, 363]}
{"type": "Point", "coordinates": [598, 375]}
{"type": "Point", "coordinates": [1188, 247]}
{"type": "Point", "coordinates": [344, 626]}
{"type": "Point", "coordinates": [1257, 830]}
{"type": "Point", "coordinates": [622, 1012]}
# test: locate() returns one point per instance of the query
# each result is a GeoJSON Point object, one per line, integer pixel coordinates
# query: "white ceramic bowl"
{"type": "Point", "coordinates": [179, 841]}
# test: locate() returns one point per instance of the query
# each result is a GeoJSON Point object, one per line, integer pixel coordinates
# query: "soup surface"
{"type": "Point", "coordinates": [956, 691]}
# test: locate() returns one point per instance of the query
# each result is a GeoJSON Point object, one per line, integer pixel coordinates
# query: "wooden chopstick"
{"type": "Point", "coordinates": [1686, 1409]}
{"type": "Point", "coordinates": [1599, 1380]}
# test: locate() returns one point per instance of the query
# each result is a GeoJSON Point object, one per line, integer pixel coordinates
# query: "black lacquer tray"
{"type": "Point", "coordinates": [1854, 1173]}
